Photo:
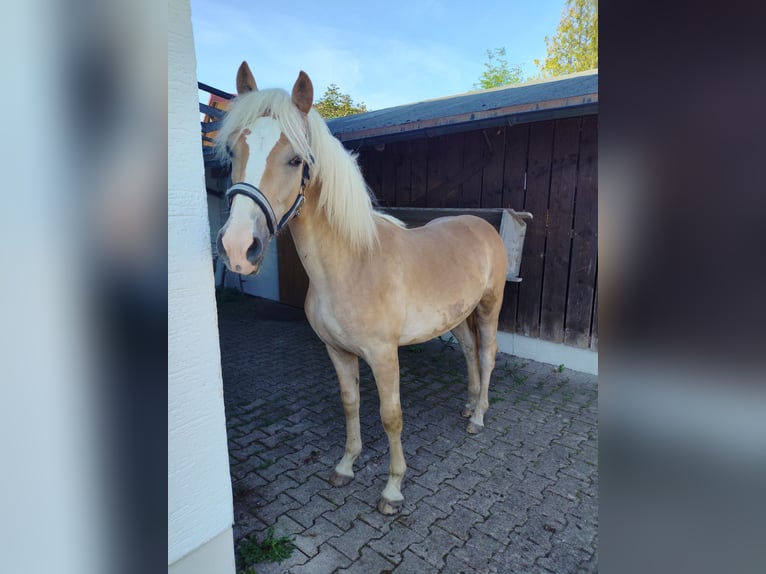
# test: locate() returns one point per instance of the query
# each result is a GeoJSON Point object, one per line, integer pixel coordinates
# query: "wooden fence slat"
{"type": "Point", "coordinates": [582, 274]}
{"type": "Point", "coordinates": [388, 161]}
{"type": "Point", "coordinates": [403, 174]}
{"type": "Point", "coordinates": [515, 167]}
{"type": "Point", "coordinates": [211, 111]}
{"type": "Point", "coordinates": [474, 153]}
{"type": "Point", "coordinates": [533, 255]}
{"type": "Point", "coordinates": [419, 174]}
{"type": "Point", "coordinates": [514, 190]}
{"type": "Point", "coordinates": [372, 176]}
{"type": "Point", "coordinates": [566, 142]}
{"type": "Point", "coordinates": [492, 177]}
{"type": "Point", "coordinates": [208, 127]}
{"type": "Point", "coordinates": [214, 91]}
{"type": "Point", "coordinates": [437, 170]}
{"type": "Point", "coordinates": [452, 160]}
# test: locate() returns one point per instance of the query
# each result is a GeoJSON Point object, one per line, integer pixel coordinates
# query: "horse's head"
{"type": "Point", "coordinates": [270, 161]}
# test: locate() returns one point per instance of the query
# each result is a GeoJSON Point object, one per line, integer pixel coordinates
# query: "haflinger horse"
{"type": "Point", "coordinates": [374, 285]}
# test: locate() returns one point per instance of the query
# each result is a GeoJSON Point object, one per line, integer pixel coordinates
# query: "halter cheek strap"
{"type": "Point", "coordinates": [248, 190]}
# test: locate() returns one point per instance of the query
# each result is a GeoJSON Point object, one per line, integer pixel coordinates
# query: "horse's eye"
{"type": "Point", "coordinates": [295, 162]}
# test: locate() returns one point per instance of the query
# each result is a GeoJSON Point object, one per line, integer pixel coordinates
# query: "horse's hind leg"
{"type": "Point", "coordinates": [347, 368]}
{"type": "Point", "coordinates": [465, 333]}
{"type": "Point", "coordinates": [486, 315]}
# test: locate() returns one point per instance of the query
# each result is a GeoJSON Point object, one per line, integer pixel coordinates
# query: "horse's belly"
{"type": "Point", "coordinates": [426, 322]}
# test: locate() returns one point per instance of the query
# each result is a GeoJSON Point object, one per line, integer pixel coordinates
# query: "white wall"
{"type": "Point", "coordinates": [199, 489]}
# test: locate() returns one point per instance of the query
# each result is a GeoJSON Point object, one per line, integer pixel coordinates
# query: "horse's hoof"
{"type": "Point", "coordinates": [340, 479]}
{"type": "Point", "coordinates": [390, 507]}
{"type": "Point", "coordinates": [473, 428]}
{"type": "Point", "coordinates": [467, 413]}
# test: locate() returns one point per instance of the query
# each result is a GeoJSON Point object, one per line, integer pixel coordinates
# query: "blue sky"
{"type": "Point", "coordinates": [381, 53]}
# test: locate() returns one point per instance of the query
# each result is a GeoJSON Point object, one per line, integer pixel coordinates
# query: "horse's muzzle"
{"type": "Point", "coordinates": [253, 255]}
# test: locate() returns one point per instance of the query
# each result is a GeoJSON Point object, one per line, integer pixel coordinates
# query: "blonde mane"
{"type": "Point", "coordinates": [344, 195]}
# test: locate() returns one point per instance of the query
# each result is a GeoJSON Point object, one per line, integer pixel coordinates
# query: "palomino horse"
{"type": "Point", "coordinates": [373, 284]}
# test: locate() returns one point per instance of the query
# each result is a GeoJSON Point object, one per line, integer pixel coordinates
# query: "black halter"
{"type": "Point", "coordinates": [248, 190]}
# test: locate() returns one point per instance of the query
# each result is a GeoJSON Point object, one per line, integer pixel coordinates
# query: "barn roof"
{"type": "Point", "coordinates": [572, 95]}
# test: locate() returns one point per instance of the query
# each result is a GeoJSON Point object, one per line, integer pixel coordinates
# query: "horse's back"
{"type": "Point", "coordinates": [448, 267]}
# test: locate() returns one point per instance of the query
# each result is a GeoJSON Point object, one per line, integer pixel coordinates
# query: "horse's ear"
{"type": "Point", "coordinates": [303, 92]}
{"type": "Point", "coordinates": [245, 80]}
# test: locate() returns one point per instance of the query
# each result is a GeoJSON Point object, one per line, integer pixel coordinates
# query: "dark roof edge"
{"type": "Point", "coordinates": [511, 115]}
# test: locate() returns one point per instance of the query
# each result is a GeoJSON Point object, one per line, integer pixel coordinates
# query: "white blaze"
{"type": "Point", "coordinates": [264, 135]}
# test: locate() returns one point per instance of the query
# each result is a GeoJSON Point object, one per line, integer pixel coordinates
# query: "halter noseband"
{"type": "Point", "coordinates": [248, 190]}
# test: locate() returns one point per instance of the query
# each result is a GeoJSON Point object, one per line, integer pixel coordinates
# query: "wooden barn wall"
{"type": "Point", "coordinates": [548, 168]}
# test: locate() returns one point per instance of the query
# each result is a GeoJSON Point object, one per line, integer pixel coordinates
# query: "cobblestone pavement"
{"type": "Point", "coordinates": [519, 497]}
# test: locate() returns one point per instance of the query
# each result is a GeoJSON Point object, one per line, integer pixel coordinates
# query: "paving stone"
{"type": "Point", "coordinates": [370, 562]}
{"type": "Point", "coordinates": [460, 521]}
{"type": "Point", "coordinates": [308, 513]}
{"type": "Point", "coordinates": [477, 551]}
{"type": "Point", "coordinates": [326, 560]}
{"type": "Point", "coordinates": [312, 538]}
{"type": "Point", "coordinates": [444, 495]}
{"type": "Point", "coordinates": [271, 511]}
{"type": "Point", "coordinates": [392, 544]}
{"type": "Point", "coordinates": [353, 539]}
{"type": "Point", "coordinates": [436, 546]}
{"type": "Point", "coordinates": [455, 565]}
{"type": "Point", "coordinates": [519, 555]}
{"type": "Point", "coordinates": [420, 517]}
{"type": "Point", "coordinates": [413, 564]}
{"type": "Point", "coordinates": [347, 514]}
{"type": "Point", "coordinates": [287, 566]}
{"type": "Point", "coordinates": [520, 497]}
{"type": "Point", "coordinates": [563, 558]}
{"type": "Point", "coordinates": [303, 492]}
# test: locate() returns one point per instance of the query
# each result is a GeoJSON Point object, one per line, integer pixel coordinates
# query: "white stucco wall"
{"type": "Point", "coordinates": [199, 488]}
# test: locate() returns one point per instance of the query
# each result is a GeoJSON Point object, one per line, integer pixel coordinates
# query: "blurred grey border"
{"type": "Point", "coordinates": [682, 283]}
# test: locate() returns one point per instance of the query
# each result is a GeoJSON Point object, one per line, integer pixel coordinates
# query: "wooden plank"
{"type": "Point", "coordinates": [208, 127]}
{"type": "Point", "coordinates": [507, 320]}
{"type": "Point", "coordinates": [582, 274]}
{"type": "Point", "coordinates": [566, 143]}
{"type": "Point", "coordinates": [214, 91]}
{"type": "Point", "coordinates": [444, 166]}
{"type": "Point", "coordinates": [403, 174]}
{"type": "Point", "coordinates": [536, 202]}
{"type": "Point", "coordinates": [373, 167]}
{"type": "Point", "coordinates": [293, 281]}
{"type": "Point", "coordinates": [388, 161]}
{"type": "Point", "coordinates": [515, 167]}
{"type": "Point", "coordinates": [474, 153]}
{"type": "Point", "coordinates": [419, 174]}
{"type": "Point", "coordinates": [415, 217]}
{"type": "Point", "coordinates": [492, 175]}
{"type": "Point", "coordinates": [437, 171]}
{"type": "Point", "coordinates": [453, 165]}
{"type": "Point", "coordinates": [362, 161]}
{"type": "Point", "coordinates": [211, 111]}
{"type": "Point", "coordinates": [513, 193]}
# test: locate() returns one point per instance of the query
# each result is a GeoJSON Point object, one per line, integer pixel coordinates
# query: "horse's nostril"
{"type": "Point", "coordinates": [254, 251]}
{"type": "Point", "coordinates": [219, 245]}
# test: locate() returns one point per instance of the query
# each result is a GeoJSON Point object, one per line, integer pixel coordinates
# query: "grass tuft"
{"type": "Point", "coordinates": [272, 549]}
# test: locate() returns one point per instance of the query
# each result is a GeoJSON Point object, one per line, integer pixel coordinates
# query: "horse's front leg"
{"type": "Point", "coordinates": [385, 367]}
{"type": "Point", "coordinates": [347, 368]}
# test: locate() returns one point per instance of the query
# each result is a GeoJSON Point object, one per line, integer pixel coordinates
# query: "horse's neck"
{"type": "Point", "coordinates": [322, 252]}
